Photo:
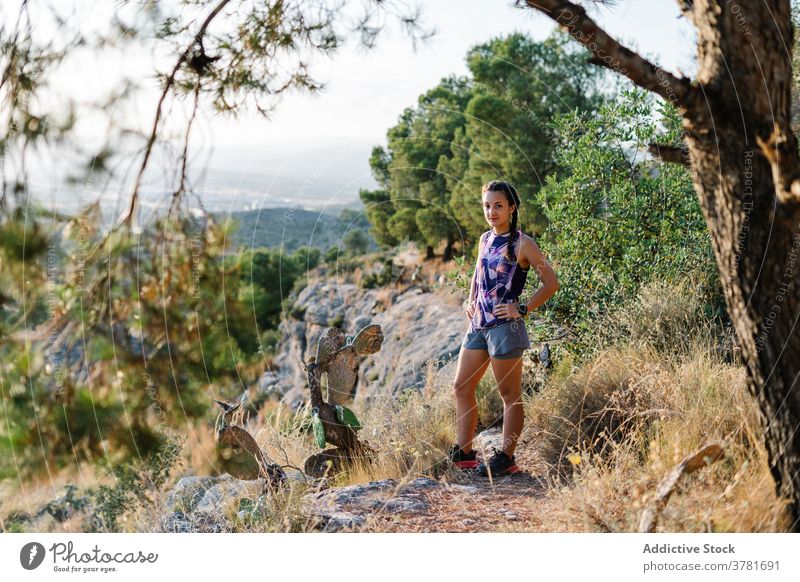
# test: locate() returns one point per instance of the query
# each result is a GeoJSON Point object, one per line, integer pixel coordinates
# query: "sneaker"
{"type": "Point", "coordinates": [498, 465]}
{"type": "Point", "coordinates": [462, 460]}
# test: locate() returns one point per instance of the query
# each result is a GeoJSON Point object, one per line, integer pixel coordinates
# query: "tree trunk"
{"type": "Point", "coordinates": [756, 243]}
{"type": "Point", "coordinates": [746, 171]}
{"type": "Point", "coordinates": [429, 252]}
{"type": "Point", "coordinates": [448, 250]}
{"type": "Point", "coordinates": [742, 167]}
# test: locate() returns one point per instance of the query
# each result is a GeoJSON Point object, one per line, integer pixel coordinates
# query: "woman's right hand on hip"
{"type": "Point", "coordinates": [469, 309]}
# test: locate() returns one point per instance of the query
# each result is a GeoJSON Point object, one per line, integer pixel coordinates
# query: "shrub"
{"type": "Point", "coordinates": [136, 485]}
{"type": "Point", "coordinates": [619, 219]}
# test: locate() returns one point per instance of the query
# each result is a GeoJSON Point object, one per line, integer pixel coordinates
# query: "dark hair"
{"type": "Point", "coordinates": [512, 198]}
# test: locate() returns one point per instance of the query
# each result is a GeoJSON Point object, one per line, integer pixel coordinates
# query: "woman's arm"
{"type": "Point", "coordinates": [547, 275]}
{"type": "Point", "coordinates": [470, 302]}
{"type": "Point", "coordinates": [475, 272]}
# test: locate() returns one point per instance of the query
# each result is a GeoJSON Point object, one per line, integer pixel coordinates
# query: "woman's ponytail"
{"type": "Point", "coordinates": [512, 239]}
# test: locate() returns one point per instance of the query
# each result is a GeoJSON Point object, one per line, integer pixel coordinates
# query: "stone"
{"type": "Point", "coordinates": [198, 522]}
{"type": "Point", "coordinates": [202, 504]}
{"type": "Point", "coordinates": [338, 521]}
{"type": "Point", "coordinates": [224, 497]}
{"type": "Point", "coordinates": [63, 507]}
{"type": "Point", "coordinates": [349, 506]}
{"type": "Point", "coordinates": [510, 515]}
{"type": "Point", "coordinates": [488, 439]}
{"type": "Point", "coordinates": [188, 492]}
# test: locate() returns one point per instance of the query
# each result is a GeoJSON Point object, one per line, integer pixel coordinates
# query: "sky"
{"type": "Point", "coordinates": [366, 93]}
{"type": "Point", "coordinates": [315, 148]}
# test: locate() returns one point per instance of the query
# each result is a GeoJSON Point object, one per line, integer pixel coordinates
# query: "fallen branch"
{"type": "Point", "coordinates": [706, 455]}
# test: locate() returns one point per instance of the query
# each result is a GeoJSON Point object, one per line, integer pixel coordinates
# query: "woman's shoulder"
{"type": "Point", "coordinates": [525, 242]}
{"type": "Point", "coordinates": [525, 238]}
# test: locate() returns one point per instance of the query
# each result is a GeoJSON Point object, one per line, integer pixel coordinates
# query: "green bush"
{"type": "Point", "coordinates": [136, 485]}
{"type": "Point", "coordinates": [270, 342]}
{"type": "Point", "coordinates": [618, 218]}
{"type": "Point", "coordinates": [138, 327]}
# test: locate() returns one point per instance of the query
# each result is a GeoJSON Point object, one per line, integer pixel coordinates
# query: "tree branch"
{"type": "Point", "coordinates": [670, 154]}
{"type": "Point", "coordinates": [198, 39]}
{"type": "Point", "coordinates": [607, 52]}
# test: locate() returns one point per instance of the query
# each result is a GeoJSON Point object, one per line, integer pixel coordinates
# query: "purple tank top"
{"type": "Point", "coordinates": [497, 280]}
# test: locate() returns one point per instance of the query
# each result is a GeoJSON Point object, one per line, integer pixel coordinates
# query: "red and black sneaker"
{"type": "Point", "coordinates": [499, 464]}
{"type": "Point", "coordinates": [462, 460]}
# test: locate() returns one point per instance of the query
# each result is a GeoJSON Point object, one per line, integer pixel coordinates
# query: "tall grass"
{"type": "Point", "coordinates": [608, 431]}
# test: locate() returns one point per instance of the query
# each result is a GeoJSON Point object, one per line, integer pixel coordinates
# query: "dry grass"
{"type": "Point", "coordinates": [29, 496]}
{"type": "Point", "coordinates": [701, 400]}
{"type": "Point", "coordinates": [617, 424]}
{"type": "Point", "coordinates": [670, 318]}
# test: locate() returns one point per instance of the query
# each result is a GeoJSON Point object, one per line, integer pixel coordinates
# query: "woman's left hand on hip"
{"type": "Point", "coordinates": [506, 310]}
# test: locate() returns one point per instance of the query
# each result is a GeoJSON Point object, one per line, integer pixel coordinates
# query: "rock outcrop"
{"type": "Point", "coordinates": [207, 504]}
{"type": "Point", "coordinates": [418, 327]}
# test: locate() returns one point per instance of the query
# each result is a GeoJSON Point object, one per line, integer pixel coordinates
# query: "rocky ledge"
{"type": "Point", "coordinates": [418, 327]}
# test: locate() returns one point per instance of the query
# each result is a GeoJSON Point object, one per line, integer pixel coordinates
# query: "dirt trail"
{"type": "Point", "coordinates": [506, 504]}
{"type": "Point", "coordinates": [459, 501]}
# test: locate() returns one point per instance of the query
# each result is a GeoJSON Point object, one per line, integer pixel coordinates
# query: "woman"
{"type": "Point", "coordinates": [497, 333]}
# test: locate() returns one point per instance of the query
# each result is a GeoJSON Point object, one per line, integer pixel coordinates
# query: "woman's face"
{"type": "Point", "coordinates": [496, 210]}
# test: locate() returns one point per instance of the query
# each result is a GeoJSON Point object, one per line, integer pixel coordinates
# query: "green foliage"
{"type": "Point", "coordinates": [319, 429]}
{"type": "Point", "coordinates": [332, 255]}
{"type": "Point", "coordinates": [460, 277]}
{"type": "Point", "coordinates": [310, 256]}
{"type": "Point", "coordinates": [270, 342]}
{"type": "Point", "coordinates": [469, 130]}
{"type": "Point", "coordinates": [270, 278]}
{"type": "Point", "coordinates": [355, 243]}
{"type": "Point", "coordinates": [346, 416]}
{"type": "Point", "coordinates": [295, 230]}
{"type": "Point", "coordinates": [413, 202]}
{"type": "Point", "coordinates": [519, 86]}
{"type": "Point", "coordinates": [137, 328]}
{"type": "Point", "coordinates": [619, 218]}
{"type": "Point", "coordinates": [386, 274]}
{"type": "Point", "coordinates": [378, 203]}
{"type": "Point", "coordinates": [136, 484]}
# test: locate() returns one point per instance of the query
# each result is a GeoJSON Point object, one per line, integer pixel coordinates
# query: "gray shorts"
{"type": "Point", "coordinates": [504, 341]}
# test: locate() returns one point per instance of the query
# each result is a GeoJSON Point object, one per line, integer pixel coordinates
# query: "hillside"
{"type": "Point", "coordinates": [295, 227]}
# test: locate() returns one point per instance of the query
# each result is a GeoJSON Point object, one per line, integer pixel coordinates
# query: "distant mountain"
{"type": "Point", "coordinates": [324, 174]}
{"type": "Point", "coordinates": [316, 173]}
{"type": "Point", "coordinates": [295, 227]}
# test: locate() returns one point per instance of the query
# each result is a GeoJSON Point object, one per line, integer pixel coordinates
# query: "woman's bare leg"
{"type": "Point", "coordinates": [508, 374]}
{"type": "Point", "coordinates": [471, 366]}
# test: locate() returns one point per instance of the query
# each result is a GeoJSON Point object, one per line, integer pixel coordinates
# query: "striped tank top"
{"type": "Point", "coordinates": [497, 280]}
